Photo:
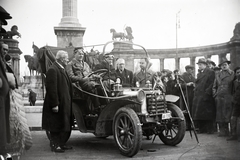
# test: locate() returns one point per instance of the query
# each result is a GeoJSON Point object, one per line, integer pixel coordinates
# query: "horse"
{"type": "Point", "coordinates": [129, 35]}
{"type": "Point", "coordinates": [115, 34]}
{"type": "Point", "coordinates": [33, 64]}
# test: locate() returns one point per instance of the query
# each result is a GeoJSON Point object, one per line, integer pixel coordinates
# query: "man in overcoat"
{"type": "Point", "coordinates": [235, 118]}
{"type": "Point", "coordinates": [4, 103]}
{"type": "Point", "coordinates": [125, 75]}
{"type": "Point", "coordinates": [57, 107]}
{"type": "Point", "coordinates": [203, 108]}
{"type": "Point", "coordinates": [222, 92]}
{"type": "Point", "coordinates": [189, 80]}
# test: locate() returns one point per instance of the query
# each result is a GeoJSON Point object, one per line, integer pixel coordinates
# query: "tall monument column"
{"type": "Point", "coordinates": [69, 31]}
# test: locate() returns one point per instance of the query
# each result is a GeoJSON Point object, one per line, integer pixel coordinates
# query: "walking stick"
{"type": "Point", "coordinates": [193, 126]}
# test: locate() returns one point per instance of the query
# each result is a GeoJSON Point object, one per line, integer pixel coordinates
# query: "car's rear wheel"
{"type": "Point", "coordinates": [174, 129]}
{"type": "Point", "coordinates": [127, 131]}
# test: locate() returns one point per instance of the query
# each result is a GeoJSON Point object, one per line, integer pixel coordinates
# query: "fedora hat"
{"type": "Point", "coordinates": [202, 60]}
{"type": "Point", "coordinates": [223, 60]}
{"type": "Point", "coordinates": [209, 61]}
{"type": "Point", "coordinates": [189, 67]}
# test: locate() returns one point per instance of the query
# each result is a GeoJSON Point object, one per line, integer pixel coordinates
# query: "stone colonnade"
{"type": "Point", "coordinates": [232, 47]}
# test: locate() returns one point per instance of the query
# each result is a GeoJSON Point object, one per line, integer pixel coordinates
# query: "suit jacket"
{"type": "Point", "coordinates": [58, 93]}
{"type": "Point", "coordinates": [126, 76]}
{"type": "Point", "coordinates": [141, 77]}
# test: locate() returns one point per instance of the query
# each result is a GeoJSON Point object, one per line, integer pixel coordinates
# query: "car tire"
{"type": "Point", "coordinates": [174, 130]}
{"type": "Point", "coordinates": [127, 131]}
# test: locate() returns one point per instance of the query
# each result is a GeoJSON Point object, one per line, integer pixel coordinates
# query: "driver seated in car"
{"type": "Point", "coordinates": [78, 71]}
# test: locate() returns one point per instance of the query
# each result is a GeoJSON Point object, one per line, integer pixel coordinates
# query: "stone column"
{"type": "Point", "coordinates": [177, 63]}
{"type": "Point", "coordinates": [69, 30]}
{"type": "Point", "coordinates": [193, 62]}
{"type": "Point", "coordinates": [235, 55]}
{"type": "Point", "coordinates": [161, 64]}
{"type": "Point", "coordinates": [220, 56]}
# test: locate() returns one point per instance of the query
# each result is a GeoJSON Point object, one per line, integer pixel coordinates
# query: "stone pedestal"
{"type": "Point", "coordinates": [69, 31]}
{"type": "Point", "coordinates": [15, 53]}
{"type": "Point", "coordinates": [118, 46]}
{"type": "Point", "coordinates": [235, 54]}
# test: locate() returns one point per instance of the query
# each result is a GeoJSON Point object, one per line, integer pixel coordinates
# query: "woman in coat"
{"type": "Point", "coordinates": [203, 108]}
{"type": "Point", "coordinates": [222, 92]}
{"type": "Point", "coordinates": [57, 107]}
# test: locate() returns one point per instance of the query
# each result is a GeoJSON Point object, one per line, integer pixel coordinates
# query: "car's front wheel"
{"type": "Point", "coordinates": [174, 128]}
{"type": "Point", "coordinates": [127, 131]}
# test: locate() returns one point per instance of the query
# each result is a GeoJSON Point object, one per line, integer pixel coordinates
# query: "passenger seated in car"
{"type": "Point", "coordinates": [144, 75]}
{"type": "Point", "coordinates": [110, 77]}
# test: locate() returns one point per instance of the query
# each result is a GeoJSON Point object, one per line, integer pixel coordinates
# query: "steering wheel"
{"type": "Point", "coordinates": [99, 72]}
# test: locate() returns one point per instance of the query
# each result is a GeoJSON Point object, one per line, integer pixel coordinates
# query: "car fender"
{"type": "Point", "coordinates": [105, 120]}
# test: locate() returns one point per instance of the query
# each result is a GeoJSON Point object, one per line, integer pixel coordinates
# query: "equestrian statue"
{"type": "Point", "coordinates": [122, 36]}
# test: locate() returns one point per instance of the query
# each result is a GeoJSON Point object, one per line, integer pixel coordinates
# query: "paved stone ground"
{"type": "Point", "coordinates": [87, 146]}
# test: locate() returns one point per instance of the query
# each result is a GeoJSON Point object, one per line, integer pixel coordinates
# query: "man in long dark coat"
{"type": "Point", "coordinates": [4, 104]}
{"type": "Point", "coordinates": [203, 109]}
{"type": "Point", "coordinates": [57, 107]}
{"type": "Point", "coordinates": [222, 91]}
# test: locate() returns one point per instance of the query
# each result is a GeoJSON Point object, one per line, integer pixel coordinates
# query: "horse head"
{"type": "Point", "coordinates": [27, 58]}
{"type": "Point", "coordinates": [112, 30]}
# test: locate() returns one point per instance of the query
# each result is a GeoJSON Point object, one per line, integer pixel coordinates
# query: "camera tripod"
{"type": "Point", "coordinates": [192, 126]}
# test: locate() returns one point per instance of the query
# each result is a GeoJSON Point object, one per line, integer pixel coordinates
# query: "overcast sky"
{"type": "Point", "coordinates": [202, 22]}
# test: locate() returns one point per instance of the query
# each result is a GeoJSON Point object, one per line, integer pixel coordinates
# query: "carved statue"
{"type": "Point", "coordinates": [236, 32]}
{"type": "Point", "coordinates": [13, 32]}
{"type": "Point", "coordinates": [33, 64]}
{"type": "Point", "coordinates": [121, 35]}
{"type": "Point", "coordinates": [129, 35]}
{"type": "Point", "coordinates": [115, 34]}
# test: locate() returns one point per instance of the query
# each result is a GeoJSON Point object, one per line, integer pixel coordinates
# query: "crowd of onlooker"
{"type": "Point", "coordinates": [212, 96]}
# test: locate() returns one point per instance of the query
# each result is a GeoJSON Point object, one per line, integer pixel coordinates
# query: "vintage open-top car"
{"type": "Point", "coordinates": [128, 114]}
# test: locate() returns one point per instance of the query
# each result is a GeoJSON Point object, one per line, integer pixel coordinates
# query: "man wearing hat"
{"type": "Point", "coordinates": [210, 63]}
{"type": "Point", "coordinates": [203, 108]}
{"type": "Point", "coordinates": [78, 70]}
{"type": "Point", "coordinates": [222, 92]}
{"type": "Point", "coordinates": [110, 78]}
{"type": "Point", "coordinates": [189, 80]}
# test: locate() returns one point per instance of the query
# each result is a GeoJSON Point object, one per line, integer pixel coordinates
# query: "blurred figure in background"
{"type": "Point", "coordinates": [32, 97]}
